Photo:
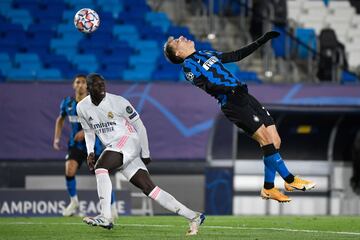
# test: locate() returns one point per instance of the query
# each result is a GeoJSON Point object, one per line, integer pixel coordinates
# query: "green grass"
{"type": "Point", "coordinates": [155, 228]}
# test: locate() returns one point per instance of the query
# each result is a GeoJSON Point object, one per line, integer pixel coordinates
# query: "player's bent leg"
{"type": "Point", "coordinates": [71, 167]}
{"type": "Point", "coordinates": [142, 180]}
{"type": "Point", "coordinates": [271, 155]}
{"type": "Point", "coordinates": [294, 183]}
{"type": "Point", "coordinates": [109, 160]}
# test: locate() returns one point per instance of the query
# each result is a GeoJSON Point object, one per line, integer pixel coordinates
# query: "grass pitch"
{"type": "Point", "coordinates": [173, 227]}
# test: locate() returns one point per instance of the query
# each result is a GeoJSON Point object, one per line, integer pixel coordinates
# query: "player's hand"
{"type": "Point", "coordinates": [79, 136]}
{"type": "Point", "coordinates": [91, 161]}
{"type": "Point", "coordinates": [146, 161]}
{"type": "Point", "coordinates": [56, 144]}
{"type": "Point", "coordinates": [271, 35]}
{"type": "Point", "coordinates": [268, 36]}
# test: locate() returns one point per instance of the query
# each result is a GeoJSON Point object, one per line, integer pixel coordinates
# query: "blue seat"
{"type": "Point", "coordinates": [5, 67]}
{"type": "Point", "coordinates": [152, 33]}
{"type": "Point", "coordinates": [280, 43]}
{"type": "Point", "coordinates": [248, 77]}
{"type": "Point", "coordinates": [141, 60]}
{"type": "Point", "coordinates": [308, 37]}
{"type": "Point", "coordinates": [34, 66]}
{"type": "Point", "coordinates": [49, 74]}
{"type": "Point", "coordinates": [165, 76]}
{"type": "Point", "coordinates": [26, 58]}
{"type": "Point", "coordinates": [4, 57]}
{"type": "Point", "coordinates": [125, 30]}
{"type": "Point", "coordinates": [232, 67]}
{"type": "Point", "coordinates": [21, 75]}
{"type": "Point", "coordinates": [145, 45]}
{"type": "Point", "coordinates": [158, 19]}
{"type": "Point", "coordinates": [68, 52]}
{"type": "Point", "coordinates": [85, 62]}
{"type": "Point", "coordinates": [7, 27]}
{"type": "Point", "coordinates": [66, 27]}
{"type": "Point", "coordinates": [348, 77]}
{"type": "Point", "coordinates": [20, 16]}
{"type": "Point", "coordinates": [178, 31]}
{"type": "Point", "coordinates": [134, 75]}
{"type": "Point", "coordinates": [114, 59]}
{"type": "Point", "coordinates": [115, 7]}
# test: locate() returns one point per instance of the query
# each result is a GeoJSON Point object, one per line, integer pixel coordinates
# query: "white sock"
{"type": "Point", "coordinates": [167, 201]}
{"type": "Point", "coordinates": [104, 189]}
{"type": "Point", "coordinates": [74, 199]}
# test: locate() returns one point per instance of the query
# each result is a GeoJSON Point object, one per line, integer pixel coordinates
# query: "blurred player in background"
{"type": "Point", "coordinates": [205, 70]}
{"type": "Point", "coordinates": [76, 145]}
{"type": "Point", "coordinates": [114, 120]}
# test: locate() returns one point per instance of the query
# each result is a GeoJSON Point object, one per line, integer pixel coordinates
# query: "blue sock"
{"type": "Point", "coordinates": [71, 186]}
{"type": "Point", "coordinates": [270, 172]}
{"type": "Point", "coordinates": [276, 161]}
{"type": "Point", "coordinates": [113, 199]}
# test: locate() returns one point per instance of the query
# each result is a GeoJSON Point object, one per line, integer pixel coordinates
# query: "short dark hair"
{"type": "Point", "coordinates": [79, 76]}
{"type": "Point", "coordinates": [170, 53]}
{"type": "Point", "coordinates": [91, 77]}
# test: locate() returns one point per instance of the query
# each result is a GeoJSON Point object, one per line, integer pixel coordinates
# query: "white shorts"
{"type": "Point", "coordinates": [130, 149]}
{"type": "Point", "coordinates": [131, 167]}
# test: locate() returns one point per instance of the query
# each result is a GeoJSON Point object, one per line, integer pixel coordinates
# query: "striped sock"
{"type": "Point", "coordinates": [104, 189]}
{"type": "Point", "coordinates": [168, 202]}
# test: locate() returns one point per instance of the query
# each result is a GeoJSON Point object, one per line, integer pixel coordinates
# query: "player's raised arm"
{"type": "Point", "coordinates": [243, 52]}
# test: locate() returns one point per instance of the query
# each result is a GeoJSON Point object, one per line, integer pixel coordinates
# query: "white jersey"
{"type": "Point", "coordinates": [111, 121]}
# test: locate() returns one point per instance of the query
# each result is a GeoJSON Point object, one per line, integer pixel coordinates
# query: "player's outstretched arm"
{"type": "Point", "coordinates": [144, 142]}
{"type": "Point", "coordinates": [58, 129]}
{"type": "Point", "coordinates": [242, 53]}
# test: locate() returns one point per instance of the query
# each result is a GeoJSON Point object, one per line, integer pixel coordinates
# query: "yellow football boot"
{"type": "Point", "coordinates": [299, 184]}
{"type": "Point", "coordinates": [274, 194]}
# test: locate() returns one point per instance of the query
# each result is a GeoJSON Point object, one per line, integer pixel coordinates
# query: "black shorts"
{"type": "Point", "coordinates": [76, 154]}
{"type": "Point", "coordinates": [246, 112]}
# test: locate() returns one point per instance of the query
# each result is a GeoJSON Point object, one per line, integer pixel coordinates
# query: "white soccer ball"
{"type": "Point", "coordinates": [86, 20]}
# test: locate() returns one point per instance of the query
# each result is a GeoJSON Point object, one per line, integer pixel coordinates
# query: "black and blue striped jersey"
{"type": "Point", "coordinates": [68, 108]}
{"type": "Point", "coordinates": [205, 70]}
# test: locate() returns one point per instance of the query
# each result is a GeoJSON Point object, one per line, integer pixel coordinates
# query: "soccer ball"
{"type": "Point", "coordinates": [86, 20]}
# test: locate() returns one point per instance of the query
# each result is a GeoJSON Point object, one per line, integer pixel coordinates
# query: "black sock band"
{"type": "Point", "coordinates": [269, 150]}
{"type": "Point", "coordinates": [268, 185]}
{"type": "Point", "coordinates": [69, 178]}
{"type": "Point", "coordinates": [289, 178]}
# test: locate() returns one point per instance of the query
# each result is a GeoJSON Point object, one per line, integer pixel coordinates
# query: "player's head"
{"type": "Point", "coordinates": [79, 84]}
{"type": "Point", "coordinates": [96, 86]}
{"type": "Point", "coordinates": [177, 49]}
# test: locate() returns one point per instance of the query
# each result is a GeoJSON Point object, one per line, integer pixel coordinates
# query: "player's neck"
{"type": "Point", "coordinates": [79, 97]}
{"type": "Point", "coordinates": [188, 53]}
{"type": "Point", "coordinates": [96, 100]}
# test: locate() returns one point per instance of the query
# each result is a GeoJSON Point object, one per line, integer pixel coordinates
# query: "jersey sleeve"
{"type": "Point", "coordinates": [63, 107]}
{"type": "Point", "coordinates": [191, 72]}
{"type": "Point", "coordinates": [88, 132]}
{"type": "Point", "coordinates": [82, 119]}
{"type": "Point", "coordinates": [128, 111]}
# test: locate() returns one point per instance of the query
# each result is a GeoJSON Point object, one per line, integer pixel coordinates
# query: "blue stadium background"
{"type": "Point", "coordinates": [38, 41]}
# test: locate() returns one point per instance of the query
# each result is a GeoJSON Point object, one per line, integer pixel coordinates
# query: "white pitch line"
{"type": "Point", "coordinates": [210, 227]}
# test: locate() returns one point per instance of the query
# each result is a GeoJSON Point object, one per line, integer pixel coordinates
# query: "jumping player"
{"type": "Point", "coordinates": [76, 145]}
{"type": "Point", "coordinates": [205, 70]}
{"type": "Point", "coordinates": [114, 120]}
